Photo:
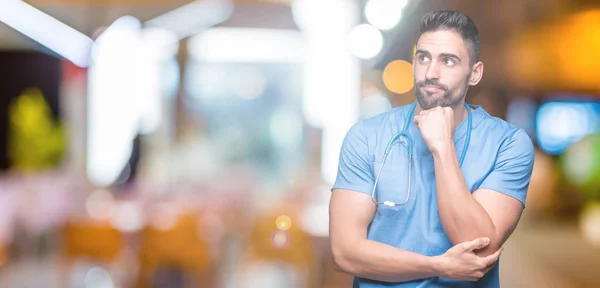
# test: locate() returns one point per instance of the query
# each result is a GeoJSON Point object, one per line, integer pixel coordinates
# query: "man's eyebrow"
{"type": "Point", "coordinates": [450, 55]}
{"type": "Point", "coordinates": [444, 55]}
{"type": "Point", "coordinates": [421, 51]}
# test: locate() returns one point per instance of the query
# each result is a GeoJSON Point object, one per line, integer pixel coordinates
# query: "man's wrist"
{"type": "Point", "coordinates": [438, 266]}
{"type": "Point", "coordinates": [443, 148]}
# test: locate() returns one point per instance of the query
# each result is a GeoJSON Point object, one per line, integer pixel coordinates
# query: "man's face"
{"type": "Point", "coordinates": [441, 69]}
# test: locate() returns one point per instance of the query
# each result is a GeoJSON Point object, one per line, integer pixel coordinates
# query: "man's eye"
{"type": "Point", "coordinates": [423, 59]}
{"type": "Point", "coordinates": [449, 62]}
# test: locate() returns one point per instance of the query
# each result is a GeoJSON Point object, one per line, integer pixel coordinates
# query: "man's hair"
{"type": "Point", "coordinates": [457, 22]}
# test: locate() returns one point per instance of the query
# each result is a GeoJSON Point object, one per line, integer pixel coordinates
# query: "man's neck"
{"type": "Point", "coordinates": [460, 113]}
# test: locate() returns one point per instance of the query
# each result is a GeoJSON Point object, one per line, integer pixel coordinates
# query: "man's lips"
{"type": "Point", "coordinates": [430, 88]}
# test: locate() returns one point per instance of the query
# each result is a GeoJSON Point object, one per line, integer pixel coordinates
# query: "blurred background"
{"type": "Point", "coordinates": [178, 143]}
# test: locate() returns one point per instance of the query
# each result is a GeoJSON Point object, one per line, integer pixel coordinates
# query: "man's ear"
{"type": "Point", "coordinates": [476, 73]}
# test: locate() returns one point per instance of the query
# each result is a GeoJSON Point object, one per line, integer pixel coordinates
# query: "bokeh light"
{"type": "Point", "coordinates": [280, 239]}
{"type": "Point", "coordinates": [98, 278]}
{"type": "Point", "coordinates": [365, 41]}
{"type": "Point", "coordinates": [128, 217]}
{"type": "Point", "coordinates": [398, 76]}
{"type": "Point", "coordinates": [100, 204]}
{"type": "Point", "coordinates": [248, 83]}
{"type": "Point", "coordinates": [560, 124]}
{"type": "Point", "coordinates": [590, 224]}
{"type": "Point", "coordinates": [286, 129]}
{"type": "Point", "coordinates": [374, 104]}
{"type": "Point", "coordinates": [163, 216]}
{"type": "Point", "coordinates": [384, 14]}
{"type": "Point", "coordinates": [283, 222]}
{"type": "Point", "coordinates": [544, 180]}
{"type": "Point", "coordinates": [581, 164]}
{"type": "Point", "coordinates": [314, 218]}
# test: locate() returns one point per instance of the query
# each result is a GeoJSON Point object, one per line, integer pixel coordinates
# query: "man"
{"type": "Point", "coordinates": [449, 230]}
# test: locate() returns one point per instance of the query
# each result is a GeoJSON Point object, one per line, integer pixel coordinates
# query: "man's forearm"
{"type": "Point", "coordinates": [381, 262]}
{"type": "Point", "coordinates": [462, 217]}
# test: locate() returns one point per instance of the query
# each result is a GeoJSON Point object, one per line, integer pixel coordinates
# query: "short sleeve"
{"type": "Point", "coordinates": [513, 167]}
{"type": "Point", "coordinates": [354, 171]}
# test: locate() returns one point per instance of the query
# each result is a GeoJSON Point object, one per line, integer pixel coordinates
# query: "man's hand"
{"type": "Point", "coordinates": [437, 127]}
{"type": "Point", "coordinates": [461, 263]}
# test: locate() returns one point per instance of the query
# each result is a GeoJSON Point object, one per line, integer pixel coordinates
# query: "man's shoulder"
{"type": "Point", "coordinates": [498, 126]}
{"type": "Point", "coordinates": [506, 134]}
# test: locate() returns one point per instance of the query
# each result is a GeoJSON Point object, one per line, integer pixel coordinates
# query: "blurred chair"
{"type": "Point", "coordinates": [274, 255]}
{"type": "Point", "coordinates": [3, 255]}
{"type": "Point", "coordinates": [173, 253]}
{"type": "Point", "coordinates": [96, 241]}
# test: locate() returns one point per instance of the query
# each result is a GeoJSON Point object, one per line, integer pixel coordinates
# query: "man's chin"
{"type": "Point", "coordinates": [427, 103]}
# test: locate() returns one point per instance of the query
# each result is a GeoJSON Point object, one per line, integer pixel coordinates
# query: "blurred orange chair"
{"type": "Point", "coordinates": [3, 255]}
{"type": "Point", "coordinates": [96, 241]}
{"type": "Point", "coordinates": [291, 246]}
{"type": "Point", "coordinates": [179, 247]}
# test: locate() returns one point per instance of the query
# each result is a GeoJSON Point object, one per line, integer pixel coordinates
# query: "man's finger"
{"type": "Point", "coordinates": [491, 259]}
{"type": "Point", "coordinates": [476, 244]}
{"type": "Point", "coordinates": [491, 264]}
{"type": "Point", "coordinates": [488, 268]}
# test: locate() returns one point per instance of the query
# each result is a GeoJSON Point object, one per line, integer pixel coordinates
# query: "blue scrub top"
{"type": "Point", "coordinates": [499, 157]}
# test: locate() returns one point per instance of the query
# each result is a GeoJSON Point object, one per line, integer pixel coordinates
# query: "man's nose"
{"type": "Point", "coordinates": [432, 71]}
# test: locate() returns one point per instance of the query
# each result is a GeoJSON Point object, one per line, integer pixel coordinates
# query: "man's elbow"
{"type": "Point", "coordinates": [337, 267]}
{"type": "Point", "coordinates": [496, 242]}
{"type": "Point", "coordinates": [340, 260]}
{"type": "Point", "coordinates": [494, 245]}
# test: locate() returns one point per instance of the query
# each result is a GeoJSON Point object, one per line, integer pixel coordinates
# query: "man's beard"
{"type": "Point", "coordinates": [448, 99]}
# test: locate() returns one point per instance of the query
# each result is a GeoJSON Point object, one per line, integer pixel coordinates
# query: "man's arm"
{"type": "Point", "coordinates": [350, 214]}
{"type": "Point", "coordinates": [487, 212]}
{"type": "Point", "coordinates": [495, 209]}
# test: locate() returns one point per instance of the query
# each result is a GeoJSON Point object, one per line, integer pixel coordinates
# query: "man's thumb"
{"type": "Point", "coordinates": [477, 244]}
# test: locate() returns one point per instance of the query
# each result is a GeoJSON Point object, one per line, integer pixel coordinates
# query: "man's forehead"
{"type": "Point", "coordinates": [442, 41]}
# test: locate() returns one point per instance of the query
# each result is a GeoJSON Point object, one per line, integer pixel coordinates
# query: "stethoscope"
{"type": "Point", "coordinates": [409, 145]}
